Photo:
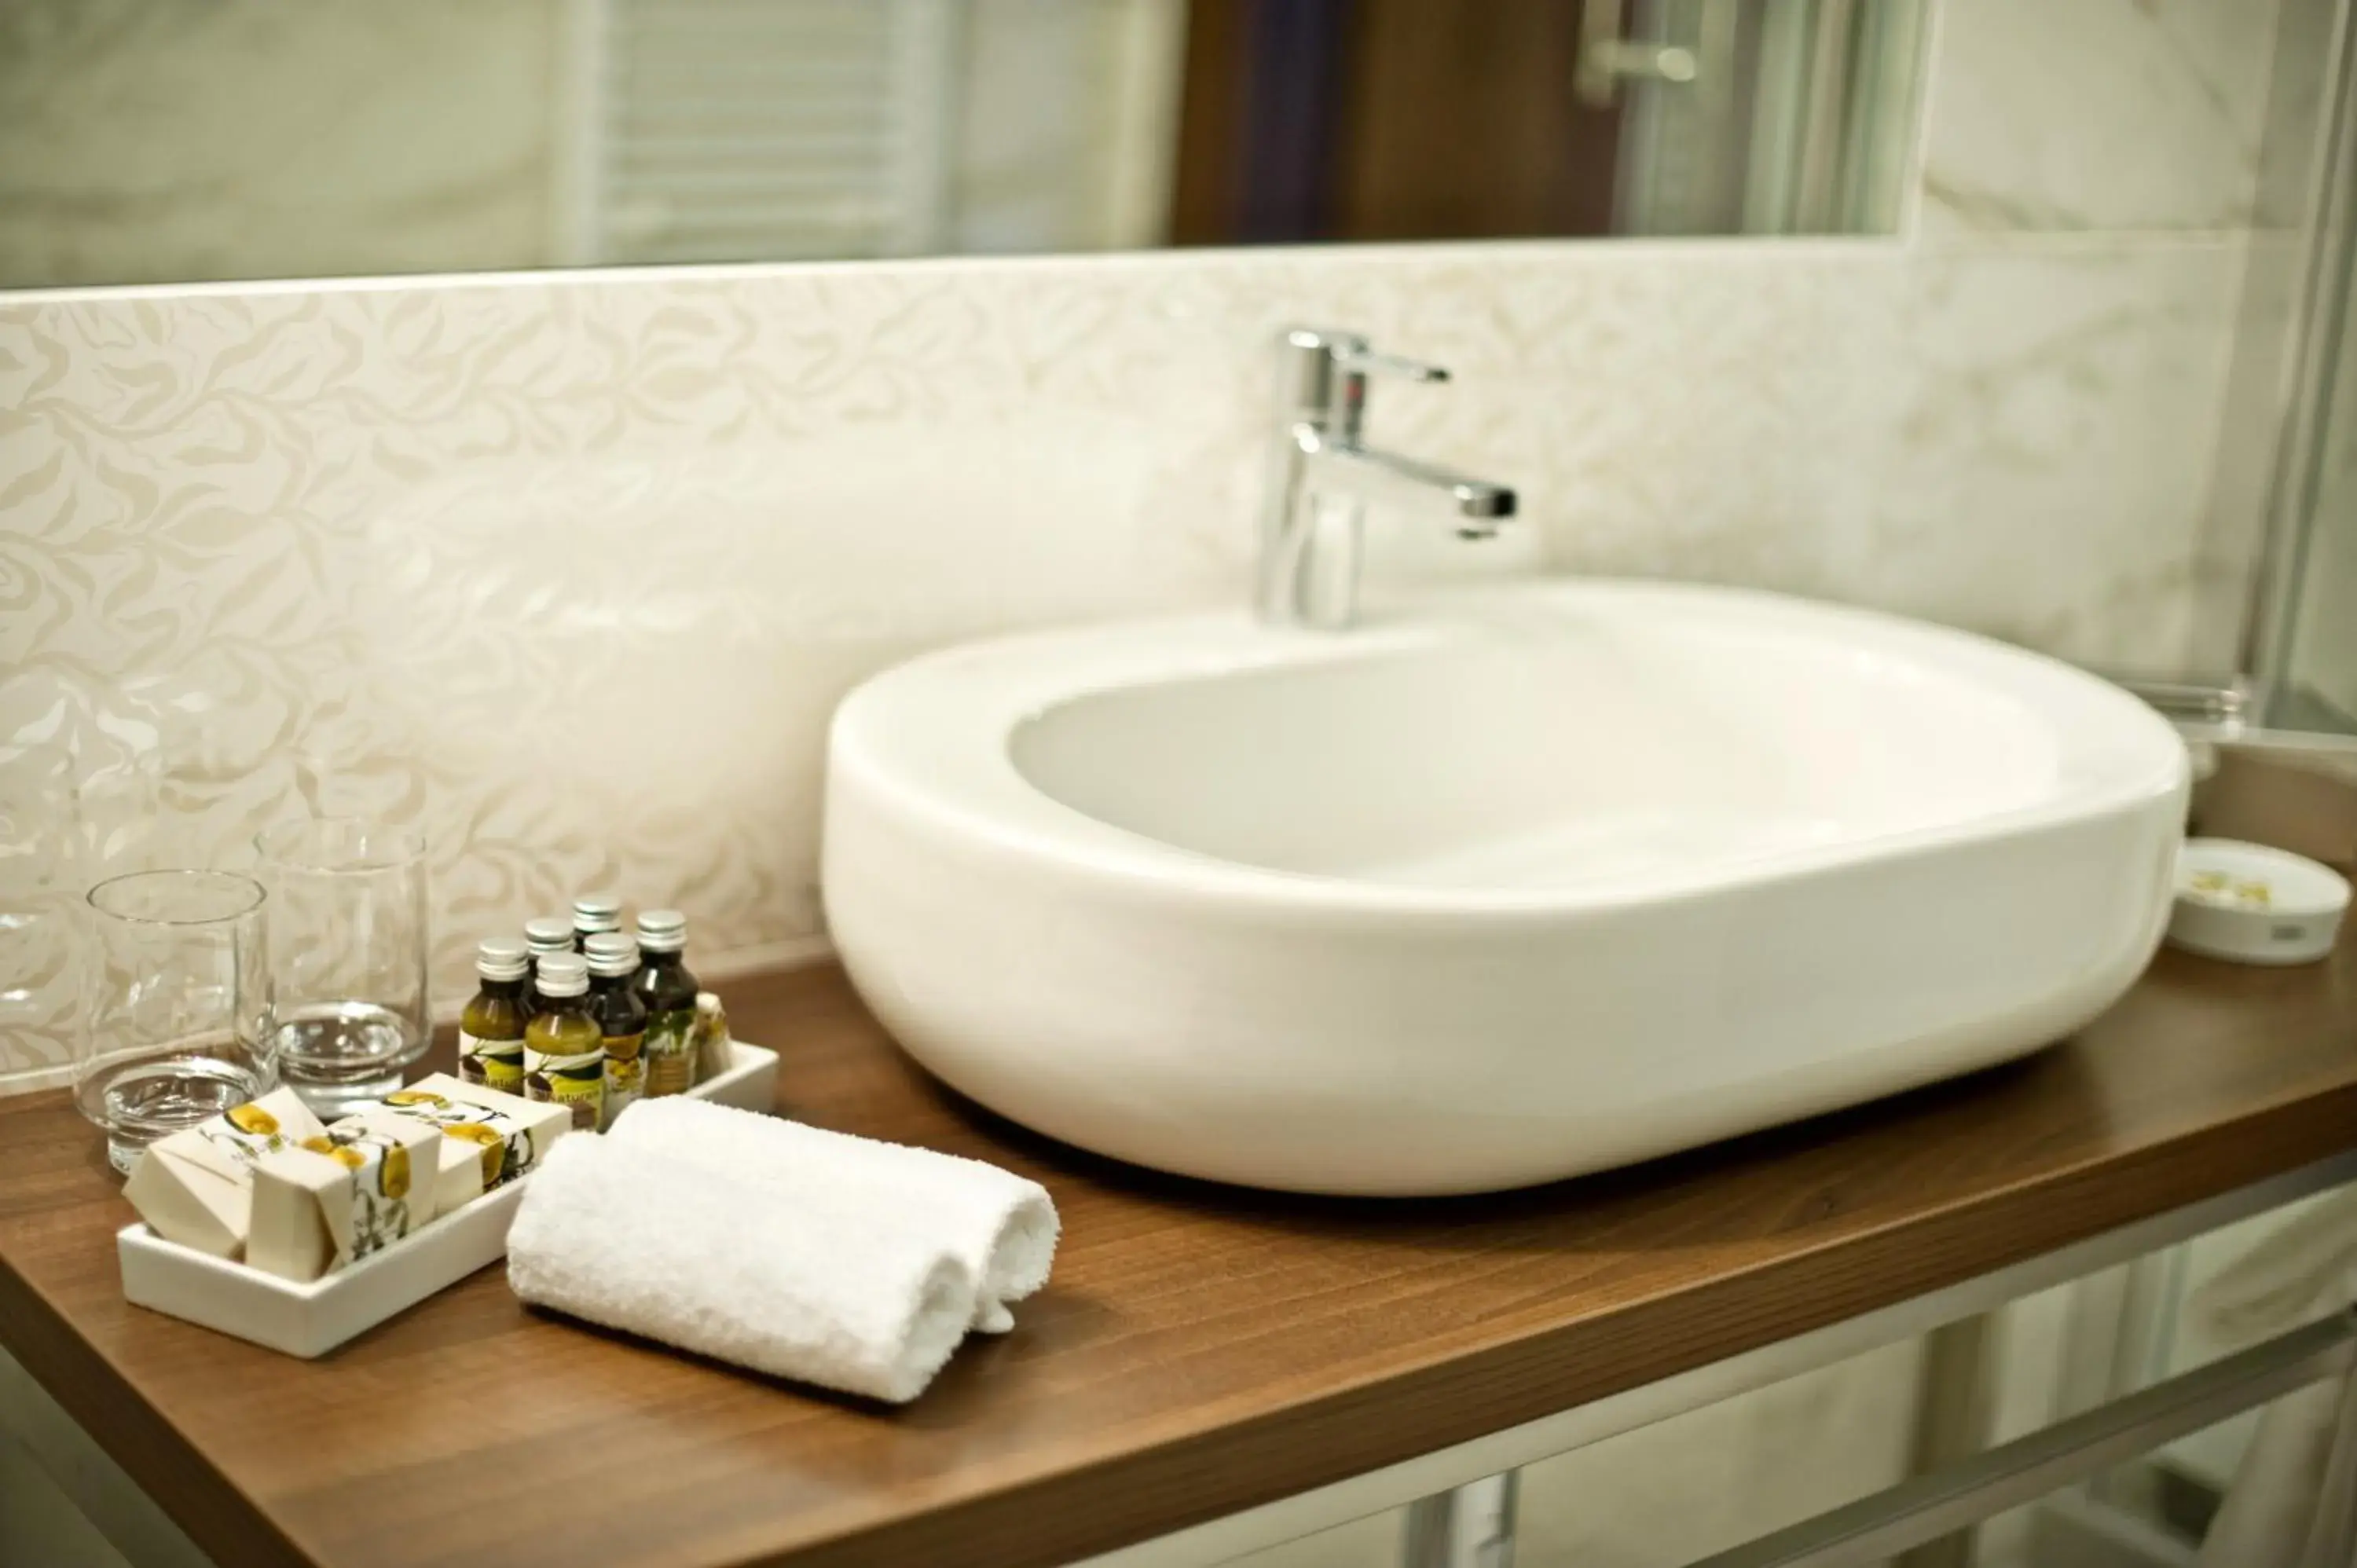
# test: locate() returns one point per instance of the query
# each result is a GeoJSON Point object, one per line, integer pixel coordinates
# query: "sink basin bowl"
{"type": "Point", "coordinates": [1524, 883]}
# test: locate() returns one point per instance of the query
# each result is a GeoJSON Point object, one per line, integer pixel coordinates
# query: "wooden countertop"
{"type": "Point", "coordinates": [1199, 1350]}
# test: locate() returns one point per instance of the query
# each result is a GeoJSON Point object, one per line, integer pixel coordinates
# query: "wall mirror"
{"type": "Point", "coordinates": [159, 141]}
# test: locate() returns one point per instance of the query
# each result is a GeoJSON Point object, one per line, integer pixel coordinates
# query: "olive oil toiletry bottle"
{"type": "Point", "coordinates": [668, 988]}
{"type": "Point", "coordinates": [549, 934]}
{"type": "Point", "coordinates": [491, 1032]}
{"type": "Point", "coordinates": [621, 1019]}
{"type": "Point", "coordinates": [593, 915]}
{"type": "Point", "coordinates": [564, 1050]}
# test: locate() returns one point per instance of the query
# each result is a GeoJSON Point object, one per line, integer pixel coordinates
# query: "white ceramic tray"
{"type": "Point", "coordinates": [311, 1319]}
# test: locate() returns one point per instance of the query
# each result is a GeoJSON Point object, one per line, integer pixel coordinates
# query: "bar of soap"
{"type": "Point", "coordinates": [196, 1186]}
{"type": "Point", "coordinates": [489, 1136]}
{"type": "Point", "coordinates": [359, 1186]}
{"type": "Point", "coordinates": [469, 1156]}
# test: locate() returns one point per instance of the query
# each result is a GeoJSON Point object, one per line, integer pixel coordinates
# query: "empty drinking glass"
{"type": "Point", "coordinates": [348, 956]}
{"type": "Point", "coordinates": [179, 1012]}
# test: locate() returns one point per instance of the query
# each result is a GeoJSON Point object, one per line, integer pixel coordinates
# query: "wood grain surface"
{"type": "Point", "coordinates": [1200, 1350]}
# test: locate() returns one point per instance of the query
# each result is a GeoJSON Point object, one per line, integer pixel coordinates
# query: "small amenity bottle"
{"type": "Point", "coordinates": [712, 1052]}
{"type": "Point", "coordinates": [667, 988]}
{"type": "Point", "coordinates": [621, 1020]}
{"type": "Point", "coordinates": [491, 1032]}
{"type": "Point", "coordinates": [594, 914]}
{"type": "Point", "coordinates": [564, 1050]}
{"type": "Point", "coordinates": [549, 934]}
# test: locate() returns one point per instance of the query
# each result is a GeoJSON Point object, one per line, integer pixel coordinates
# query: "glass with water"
{"type": "Point", "coordinates": [178, 1014]}
{"type": "Point", "coordinates": [348, 956]}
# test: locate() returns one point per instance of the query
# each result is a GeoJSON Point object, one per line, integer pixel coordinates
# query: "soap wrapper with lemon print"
{"type": "Point", "coordinates": [196, 1186]}
{"type": "Point", "coordinates": [359, 1185]}
{"type": "Point", "coordinates": [489, 1136]}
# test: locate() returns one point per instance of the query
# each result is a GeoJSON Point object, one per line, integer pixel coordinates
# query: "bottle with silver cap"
{"type": "Point", "coordinates": [667, 988]}
{"type": "Point", "coordinates": [594, 914]}
{"type": "Point", "coordinates": [549, 934]}
{"type": "Point", "coordinates": [621, 1020]}
{"type": "Point", "coordinates": [490, 1031]}
{"type": "Point", "coordinates": [564, 1050]}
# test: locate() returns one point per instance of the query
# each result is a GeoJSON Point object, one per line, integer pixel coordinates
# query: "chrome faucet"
{"type": "Point", "coordinates": [1322, 476]}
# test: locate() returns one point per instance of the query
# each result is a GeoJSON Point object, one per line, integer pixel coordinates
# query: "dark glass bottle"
{"type": "Point", "coordinates": [668, 990]}
{"type": "Point", "coordinates": [594, 915]}
{"type": "Point", "coordinates": [621, 1019]}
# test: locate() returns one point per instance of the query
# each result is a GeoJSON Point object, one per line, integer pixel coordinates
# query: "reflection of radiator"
{"type": "Point", "coordinates": [721, 130]}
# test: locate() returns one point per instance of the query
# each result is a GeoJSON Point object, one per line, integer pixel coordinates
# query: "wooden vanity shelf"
{"type": "Point", "coordinates": [1200, 1350]}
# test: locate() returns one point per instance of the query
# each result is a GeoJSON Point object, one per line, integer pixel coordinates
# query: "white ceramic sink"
{"type": "Point", "coordinates": [1529, 882]}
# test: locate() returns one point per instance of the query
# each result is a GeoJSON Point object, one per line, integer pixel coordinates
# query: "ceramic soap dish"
{"type": "Point", "coordinates": [313, 1318]}
{"type": "Point", "coordinates": [2250, 904]}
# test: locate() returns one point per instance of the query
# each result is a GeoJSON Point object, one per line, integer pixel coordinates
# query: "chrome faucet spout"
{"type": "Point", "coordinates": [1323, 476]}
{"type": "Point", "coordinates": [1371, 474]}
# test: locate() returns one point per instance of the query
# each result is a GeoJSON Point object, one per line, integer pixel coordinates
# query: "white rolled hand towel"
{"type": "Point", "coordinates": [626, 1237]}
{"type": "Point", "coordinates": [1002, 1225]}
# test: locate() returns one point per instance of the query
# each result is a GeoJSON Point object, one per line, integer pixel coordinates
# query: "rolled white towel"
{"type": "Point", "coordinates": [626, 1237]}
{"type": "Point", "coordinates": [1003, 1226]}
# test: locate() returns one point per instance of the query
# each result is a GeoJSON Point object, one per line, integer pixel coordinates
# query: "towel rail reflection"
{"type": "Point", "coordinates": [1929, 1506]}
{"type": "Point", "coordinates": [1472, 1526]}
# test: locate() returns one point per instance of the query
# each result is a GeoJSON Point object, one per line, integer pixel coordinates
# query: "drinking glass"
{"type": "Point", "coordinates": [348, 956]}
{"type": "Point", "coordinates": [179, 1012]}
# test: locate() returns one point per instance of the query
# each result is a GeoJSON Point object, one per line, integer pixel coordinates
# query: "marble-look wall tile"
{"type": "Point", "coordinates": [2242, 479]}
{"type": "Point", "coordinates": [2014, 463]}
{"type": "Point", "coordinates": [1969, 435]}
{"type": "Point", "coordinates": [2324, 641]}
{"type": "Point", "coordinates": [2096, 114]}
{"type": "Point", "coordinates": [2300, 79]}
{"type": "Point", "coordinates": [155, 140]}
{"type": "Point", "coordinates": [577, 569]}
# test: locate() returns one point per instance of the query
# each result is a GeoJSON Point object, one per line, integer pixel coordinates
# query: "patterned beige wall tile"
{"type": "Point", "coordinates": [574, 570]}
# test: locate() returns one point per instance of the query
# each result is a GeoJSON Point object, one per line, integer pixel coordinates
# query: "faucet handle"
{"type": "Point", "coordinates": [1363, 362]}
{"type": "Point", "coordinates": [1349, 416]}
{"type": "Point", "coordinates": [1325, 378]}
